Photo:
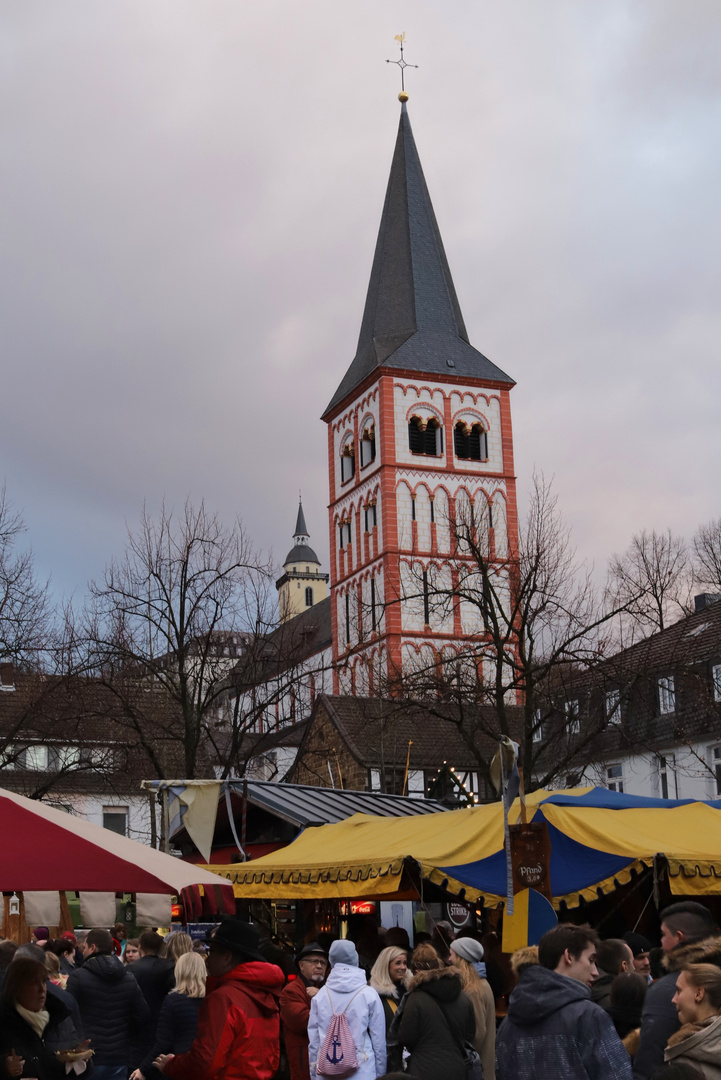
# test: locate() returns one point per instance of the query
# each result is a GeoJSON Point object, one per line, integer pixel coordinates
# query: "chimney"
{"type": "Point", "coordinates": [704, 600]}
{"type": "Point", "coordinates": [7, 677]}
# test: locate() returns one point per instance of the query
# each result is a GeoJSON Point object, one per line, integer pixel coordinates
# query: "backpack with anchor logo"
{"type": "Point", "coordinates": [337, 1055]}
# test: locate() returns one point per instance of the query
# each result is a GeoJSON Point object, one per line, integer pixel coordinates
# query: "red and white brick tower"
{"type": "Point", "coordinates": [418, 431]}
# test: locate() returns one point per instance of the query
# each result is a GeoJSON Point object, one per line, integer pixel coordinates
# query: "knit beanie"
{"type": "Point", "coordinates": [343, 952]}
{"type": "Point", "coordinates": [468, 949]}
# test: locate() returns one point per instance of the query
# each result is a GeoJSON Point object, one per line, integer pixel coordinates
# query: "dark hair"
{"type": "Point", "coordinates": [102, 940]}
{"type": "Point", "coordinates": [692, 920]}
{"type": "Point", "coordinates": [611, 953]}
{"type": "Point", "coordinates": [678, 1070]}
{"type": "Point", "coordinates": [554, 943]}
{"type": "Point", "coordinates": [30, 952]}
{"type": "Point", "coordinates": [60, 946]}
{"type": "Point", "coordinates": [7, 951]}
{"type": "Point", "coordinates": [20, 974]}
{"type": "Point", "coordinates": [441, 939]}
{"type": "Point", "coordinates": [628, 993]}
{"type": "Point", "coordinates": [150, 942]}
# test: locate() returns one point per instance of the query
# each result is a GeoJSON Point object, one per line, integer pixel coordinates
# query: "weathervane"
{"type": "Point", "coordinates": [400, 38]}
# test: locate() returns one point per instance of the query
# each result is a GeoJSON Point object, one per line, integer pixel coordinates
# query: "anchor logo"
{"type": "Point", "coordinates": [335, 1060]}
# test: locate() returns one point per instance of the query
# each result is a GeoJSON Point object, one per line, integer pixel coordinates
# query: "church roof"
{"type": "Point", "coordinates": [412, 319]}
{"type": "Point", "coordinates": [301, 551]}
{"type": "Point", "coordinates": [301, 529]}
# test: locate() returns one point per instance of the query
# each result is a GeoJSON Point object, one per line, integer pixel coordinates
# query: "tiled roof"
{"type": "Point", "coordinates": [292, 643]}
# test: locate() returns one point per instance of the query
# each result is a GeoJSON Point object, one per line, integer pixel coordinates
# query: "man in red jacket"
{"type": "Point", "coordinates": [295, 1002]}
{"type": "Point", "coordinates": [238, 1024]}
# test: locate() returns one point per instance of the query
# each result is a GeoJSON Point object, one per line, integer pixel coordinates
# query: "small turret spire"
{"type": "Point", "coordinates": [301, 529]}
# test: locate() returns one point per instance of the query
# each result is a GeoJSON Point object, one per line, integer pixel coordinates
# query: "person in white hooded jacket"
{"type": "Point", "coordinates": [346, 990]}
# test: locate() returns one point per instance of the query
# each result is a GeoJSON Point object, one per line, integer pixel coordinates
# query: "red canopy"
{"type": "Point", "coordinates": [47, 849]}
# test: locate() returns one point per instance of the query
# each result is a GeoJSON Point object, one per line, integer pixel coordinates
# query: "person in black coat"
{"type": "Point", "coordinates": [434, 1021]}
{"type": "Point", "coordinates": [113, 1010]}
{"type": "Point", "coordinates": [178, 1020]}
{"type": "Point", "coordinates": [37, 1036]}
{"type": "Point", "coordinates": [154, 974]}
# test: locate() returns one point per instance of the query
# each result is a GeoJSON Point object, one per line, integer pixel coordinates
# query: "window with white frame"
{"type": "Point", "coordinates": [716, 766]}
{"type": "Point", "coordinates": [537, 727]}
{"type": "Point", "coordinates": [115, 818]}
{"type": "Point", "coordinates": [667, 782]}
{"type": "Point", "coordinates": [716, 679]}
{"type": "Point", "coordinates": [573, 717]}
{"type": "Point", "coordinates": [614, 778]}
{"type": "Point", "coordinates": [666, 695]}
{"type": "Point", "coordinates": [613, 706]}
{"type": "Point", "coordinates": [36, 758]}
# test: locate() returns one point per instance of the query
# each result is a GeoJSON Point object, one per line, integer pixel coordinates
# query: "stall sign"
{"type": "Point", "coordinates": [458, 914]}
{"type": "Point", "coordinates": [362, 907]}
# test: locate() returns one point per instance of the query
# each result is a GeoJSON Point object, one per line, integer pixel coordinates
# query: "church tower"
{"type": "Point", "coordinates": [302, 584]}
{"type": "Point", "coordinates": [419, 432]}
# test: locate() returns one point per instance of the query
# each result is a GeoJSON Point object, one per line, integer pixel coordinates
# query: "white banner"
{"type": "Point", "coordinates": [42, 908]}
{"type": "Point", "coordinates": [152, 909]}
{"type": "Point", "coordinates": [97, 910]}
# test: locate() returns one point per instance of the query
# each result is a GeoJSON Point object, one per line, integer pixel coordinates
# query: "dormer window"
{"type": "Point", "coordinates": [368, 446]}
{"type": "Point", "coordinates": [425, 436]}
{"type": "Point", "coordinates": [347, 463]}
{"type": "Point", "coordinates": [470, 441]}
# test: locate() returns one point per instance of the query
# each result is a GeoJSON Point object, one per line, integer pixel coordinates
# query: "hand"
{"type": "Point", "coordinates": [162, 1060]}
{"type": "Point", "coordinates": [311, 991]}
{"type": "Point", "coordinates": [14, 1064]}
{"type": "Point", "coordinates": [81, 1052]}
{"type": "Point", "coordinates": [137, 1075]}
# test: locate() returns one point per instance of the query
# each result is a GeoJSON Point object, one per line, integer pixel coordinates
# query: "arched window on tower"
{"type": "Point", "coordinates": [470, 442]}
{"type": "Point", "coordinates": [347, 463]}
{"type": "Point", "coordinates": [425, 436]}
{"type": "Point", "coordinates": [368, 445]}
{"type": "Point", "coordinates": [309, 597]}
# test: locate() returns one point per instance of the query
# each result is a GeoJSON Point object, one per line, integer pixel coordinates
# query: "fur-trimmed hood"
{"type": "Point", "coordinates": [706, 951]}
{"type": "Point", "coordinates": [442, 983]}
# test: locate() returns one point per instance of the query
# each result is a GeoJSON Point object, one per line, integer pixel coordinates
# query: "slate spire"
{"type": "Point", "coordinates": [301, 529]}
{"type": "Point", "coordinates": [412, 319]}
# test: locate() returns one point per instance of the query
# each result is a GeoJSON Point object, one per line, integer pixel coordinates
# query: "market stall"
{"type": "Point", "coordinates": [598, 839]}
{"type": "Point", "coordinates": [47, 852]}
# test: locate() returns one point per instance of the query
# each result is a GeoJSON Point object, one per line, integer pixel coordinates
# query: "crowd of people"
{"type": "Point", "coordinates": [581, 1009]}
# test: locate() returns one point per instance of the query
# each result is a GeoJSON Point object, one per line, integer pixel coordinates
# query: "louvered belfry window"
{"type": "Point", "coordinates": [425, 437]}
{"type": "Point", "coordinates": [470, 443]}
{"type": "Point", "coordinates": [347, 463]}
{"type": "Point", "coordinates": [368, 446]}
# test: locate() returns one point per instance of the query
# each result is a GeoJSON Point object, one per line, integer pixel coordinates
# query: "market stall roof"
{"type": "Point", "coordinates": [598, 838]}
{"type": "Point", "coordinates": [44, 849]}
{"type": "Point", "coordinates": [305, 805]}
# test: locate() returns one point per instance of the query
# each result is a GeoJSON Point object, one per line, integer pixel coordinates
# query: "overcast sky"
{"type": "Point", "coordinates": [189, 199]}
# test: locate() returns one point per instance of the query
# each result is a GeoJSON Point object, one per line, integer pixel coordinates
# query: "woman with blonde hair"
{"type": "Point", "coordinates": [389, 978]}
{"type": "Point", "coordinates": [467, 959]}
{"type": "Point", "coordinates": [176, 944]}
{"type": "Point", "coordinates": [698, 1003]}
{"type": "Point", "coordinates": [178, 1019]}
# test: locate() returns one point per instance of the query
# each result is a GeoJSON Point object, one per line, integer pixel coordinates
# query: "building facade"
{"type": "Point", "coordinates": [419, 441]}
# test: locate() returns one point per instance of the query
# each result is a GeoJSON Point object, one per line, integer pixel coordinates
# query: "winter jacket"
{"type": "Point", "coordinates": [391, 1003]}
{"type": "Point", "coordinates": [112, 1008]}
{"type": "Point", "coordinates": [484, 1007]}
{"type": "Point", "coordinates": [659, 1019]}
{"type": "Point", "coordinates": [699, 1045]}
{"type": "Point", "coordinates": [176, 1029]}
{"type": "Point", "coordinates": [601, 990]}
{"type": "Point", "coordinates": [238, 1027]}
{"type": "Point", "coordinates": [295, 1013]}
{"type": "Point", "coordinates": [364, 1015]}
{"type": "Point", "coordinates": [39, 1052]}
{"type": "Point", "coordinates": [435, 1020]}
{"type": "Point", "coordinates": [156, 978]}
{"type": "Point", "coordinates": [553, 1030]}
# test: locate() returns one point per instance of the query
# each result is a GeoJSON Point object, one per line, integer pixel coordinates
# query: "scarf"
{"type": "Point", "coordinates": [480, 967]}
{"type": "Point", "coordinates": [38, 1021]}
{"type": "Point", "coordinates": [688, 1030]}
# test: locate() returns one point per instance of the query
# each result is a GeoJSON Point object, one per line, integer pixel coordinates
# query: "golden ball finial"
{"type": "Point", "coordinates": [403, 96]}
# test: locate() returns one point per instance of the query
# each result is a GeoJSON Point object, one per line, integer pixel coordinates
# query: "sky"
{"type": "Point", "coordinates": [190, 192]}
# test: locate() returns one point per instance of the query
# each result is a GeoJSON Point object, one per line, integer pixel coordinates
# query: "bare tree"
{"type": "Point", "coordinates": [25, 614]}
{"type": "Point", "coordinates": [532, 623]}
{"type": "Point", "coordinates": [189, 611]}
{"type": "Point", "coordinates": [652, 581]}
{"type": "Point", "coordinates": [706, 546]}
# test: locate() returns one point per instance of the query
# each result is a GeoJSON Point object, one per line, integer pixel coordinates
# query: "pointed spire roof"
{"type": "Point", "coordinates": [301, 550]}
{"type": "Point", "coordinates": [301, 529]}
{"type": "Point", "coordinates": [412, 320]}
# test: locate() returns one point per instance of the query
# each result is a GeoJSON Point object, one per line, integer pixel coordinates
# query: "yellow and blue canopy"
{"type": "Point", "coordinates": [597, 838]}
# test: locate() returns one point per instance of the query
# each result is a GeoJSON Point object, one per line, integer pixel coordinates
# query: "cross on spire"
{"type": "Point", "coordinates": [400, 38]}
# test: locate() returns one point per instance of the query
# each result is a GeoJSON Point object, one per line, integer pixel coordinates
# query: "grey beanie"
{"type": "Point", "coordinates": [343, 952]}
{"type": "Point", "coordinates": [468, 949]}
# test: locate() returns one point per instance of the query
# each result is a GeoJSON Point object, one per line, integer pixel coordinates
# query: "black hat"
{"type": "Point", "coordinates": [311, 949]}
{"type": "Point", "coordinates": [637, 943]}
{"type": "Point", "coordinates": [240, 937]}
